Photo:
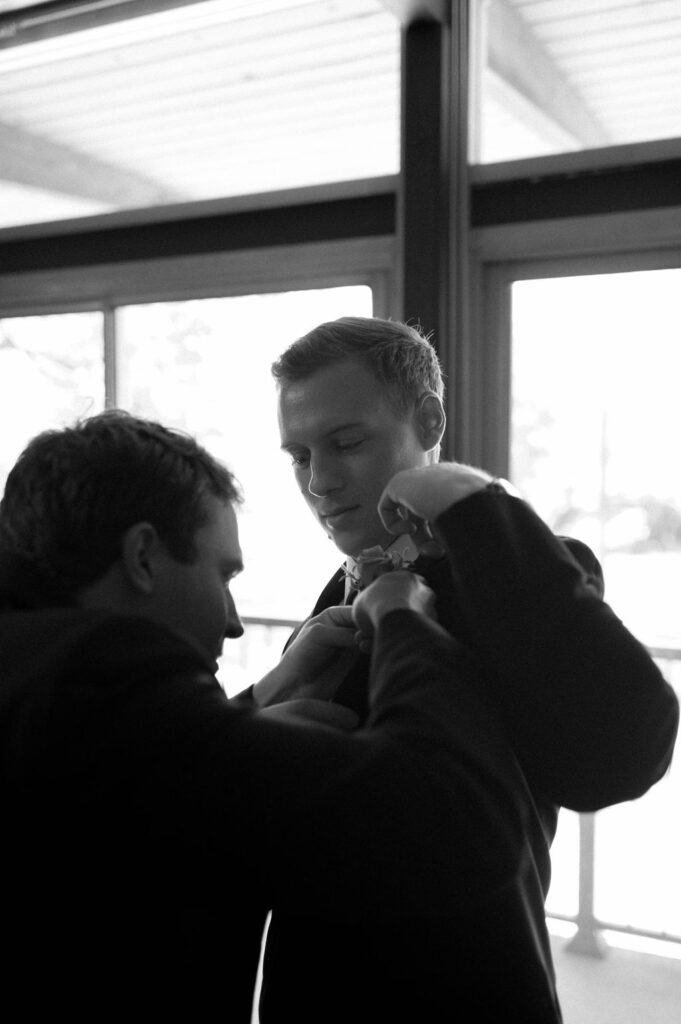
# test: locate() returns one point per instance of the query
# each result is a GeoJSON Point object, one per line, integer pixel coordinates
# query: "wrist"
{"type": "Point", "coordinates": [499, 485]}
{"type": "Point", "coordinates": [456, 484]}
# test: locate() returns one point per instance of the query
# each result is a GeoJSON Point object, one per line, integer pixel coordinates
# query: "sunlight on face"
{"type": "Point", "coordinates": [346, 441]}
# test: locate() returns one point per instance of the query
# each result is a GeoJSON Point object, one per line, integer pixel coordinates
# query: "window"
{"type": "Point", "coordinates": [51, 372]}
{"type": "Point", "coordinates": [595, 428]}
{"type": "Point", "coordinates": [596, 424]}
{"type": "Point", "coordinates": [200, 365]}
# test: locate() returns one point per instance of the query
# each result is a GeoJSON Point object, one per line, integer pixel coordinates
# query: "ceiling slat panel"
{"type": "Point", "coordinates": [290, 102]}
{"type": "Point", "coordinates": [619, 43]}
{"type": "Point", "coordinates": [313, 43]}
{"type": "Point", "coordinates": [196, 100]}
{"type": "Point", "coordinates": [201, 98]}
{"type": "Point", "coordinates": [540, 11]}
{"type": "Point", "coordinates": [600, 50]}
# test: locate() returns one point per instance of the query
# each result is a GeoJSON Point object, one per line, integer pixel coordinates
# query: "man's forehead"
{"type": "Point", "coordinates": [298, 424]}
{"type": "Point", "coordinates": [332, 399]}
{"type": "Point", "coordinates": [221, 526]}
{"type": "Point", "coordinates": [333, 376]}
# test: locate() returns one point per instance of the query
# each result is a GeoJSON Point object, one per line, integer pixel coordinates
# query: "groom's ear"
{"type": "Point", "coordinates": [430, 420]}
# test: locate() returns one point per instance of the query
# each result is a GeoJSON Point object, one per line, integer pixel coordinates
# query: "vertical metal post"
{"type": "Point", "coordinates": [433, 206]}
{"type": "Point", "coordinates": [110, 385]}
{"type": "Point", "coordinates": [462, 355]}
{"type": "Point", "coordinates": [423, 198]}
{"type": "Point", "coordinates": [478, 47]}
{"type": "Point", "coordinates": [587, 939]}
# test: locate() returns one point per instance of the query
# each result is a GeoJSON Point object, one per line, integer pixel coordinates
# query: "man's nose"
{"type": "Point", "coordinates": [233, 625]}
{"type": "Point", "coordinates": [324, 478]}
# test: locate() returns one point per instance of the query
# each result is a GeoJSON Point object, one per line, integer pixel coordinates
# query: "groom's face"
{"type": "Point", "coordinates": [346, 440]}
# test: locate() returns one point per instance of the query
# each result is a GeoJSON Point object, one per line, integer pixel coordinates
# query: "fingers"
{"type": "Point", "coordinates": [363, 642]}
{"type": "Point", "coordinates": [331, 636]}
{"type": "Point", "coordinates": [328, 628]}
{"type": "Point", "coordinates": [395, 514]}
{"type": "Point", "coordinates": [392, 591]}
{"type": "Point", "coordinates": [335, 616]}
{"type": "Point", "coordinates": [422, 494]}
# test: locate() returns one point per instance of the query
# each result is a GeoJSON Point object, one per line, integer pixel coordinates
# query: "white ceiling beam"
{"type": "Point", "coordinates": [40, 163]}
{"type": "Point", "coordinates": [517, 56]}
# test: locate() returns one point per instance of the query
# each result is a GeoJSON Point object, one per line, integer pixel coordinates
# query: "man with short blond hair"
{"type": "Point", "coordinates": [588, 714]}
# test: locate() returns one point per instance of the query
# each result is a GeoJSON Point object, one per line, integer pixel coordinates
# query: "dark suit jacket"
{"type": "Point", "coordinates": [591, 721]}
{"type": "Point", "coordinates": [148, 823]}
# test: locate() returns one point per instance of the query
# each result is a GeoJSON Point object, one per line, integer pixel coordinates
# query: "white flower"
{"type": "Point", "coordinates": [373, 562]}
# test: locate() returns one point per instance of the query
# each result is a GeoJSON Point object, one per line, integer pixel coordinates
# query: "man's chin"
{"type": "Point", "coordinates": [352, 543]}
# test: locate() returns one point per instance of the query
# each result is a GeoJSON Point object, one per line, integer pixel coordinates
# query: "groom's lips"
{"type": "Point", "coordinates": [337, 517]}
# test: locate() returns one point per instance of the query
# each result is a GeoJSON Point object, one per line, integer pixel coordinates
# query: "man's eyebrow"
{"type": "Point", "coordinates": [349, 425]}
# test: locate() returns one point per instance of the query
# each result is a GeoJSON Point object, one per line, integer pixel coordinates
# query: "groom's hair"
{"type": "Point", "coordinates": [399, 356]}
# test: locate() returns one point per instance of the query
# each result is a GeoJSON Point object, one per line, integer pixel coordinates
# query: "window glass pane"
{"type": "Point", "coordinates": [200, 101]}
{"type": "Point", "coordinates": [563, 897]}
{"type": "Point", "coordinates": [51, 373]}
{"type": "Point", "coordinates": [638, 852]}
{"type": "Point", "coordinates": [596, 423]}
{"type": "Point", "coordinates": [204, 366]}
{"type": "Point", "coordinates": [553, 76]}
{"type": "Point", "coordinates": [596, 427]}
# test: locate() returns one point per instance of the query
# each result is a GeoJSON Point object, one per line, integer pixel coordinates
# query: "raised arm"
{"type": "Point", "coordinates": [591, 716]}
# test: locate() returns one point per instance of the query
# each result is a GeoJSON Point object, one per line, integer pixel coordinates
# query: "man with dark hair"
{"type": "Point", "coordinates": [149, 822]}
{"type": "Point", "coordinates": [74, 494]}
{"type": "Point", "coordinates": [587, 712]}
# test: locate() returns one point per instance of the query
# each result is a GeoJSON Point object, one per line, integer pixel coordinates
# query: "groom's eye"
{"type": "Point", "coordinates": [349, 446]}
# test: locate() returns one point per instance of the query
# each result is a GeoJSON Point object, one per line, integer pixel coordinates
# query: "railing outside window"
{"type": "Point", "coordinates": [588, 937]}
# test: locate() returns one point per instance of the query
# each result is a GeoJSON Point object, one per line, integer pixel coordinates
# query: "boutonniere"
{"type": "Point", "coordinates": [401, 553]}
{"type": "Point", "coordinates": [371, 563]}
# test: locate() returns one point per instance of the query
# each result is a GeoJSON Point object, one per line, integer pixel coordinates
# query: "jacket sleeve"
{"type": "Point", "coordinates": [426, 799]}
{"type": "Point", "coordinates": [591, 716]}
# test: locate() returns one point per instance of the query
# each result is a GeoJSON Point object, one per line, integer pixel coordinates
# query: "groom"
{"type": "Point", "coordinates": [590, 718]}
